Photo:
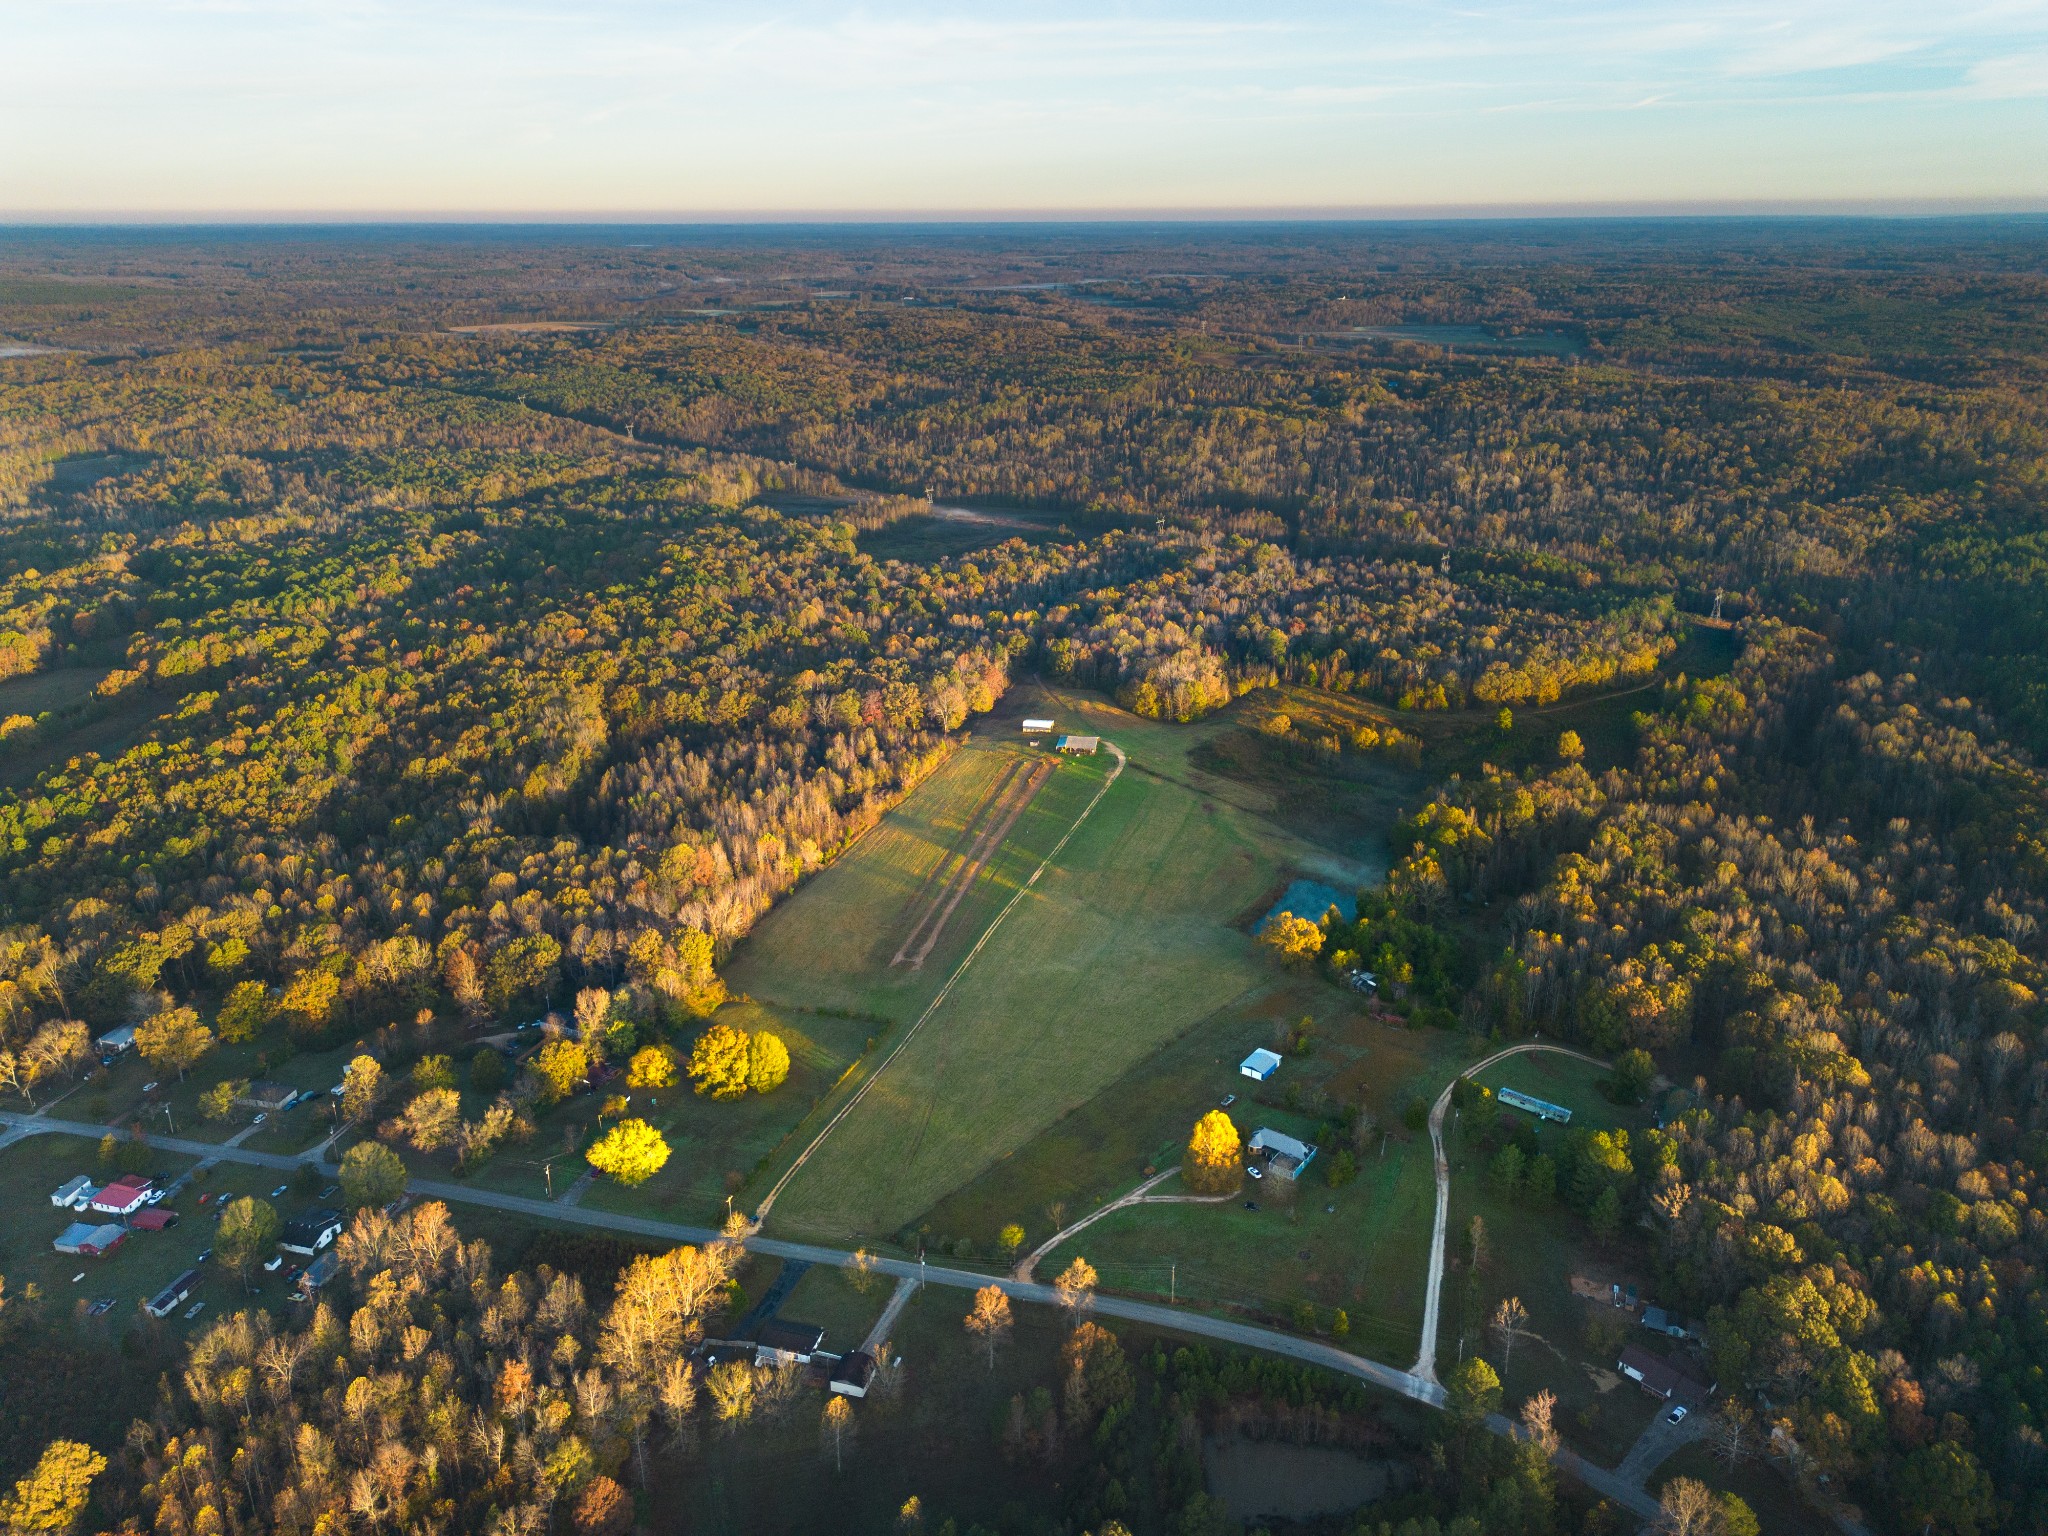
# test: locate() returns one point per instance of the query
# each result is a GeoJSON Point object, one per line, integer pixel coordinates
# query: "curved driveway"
{"type": "Point", "coordinates": [1432, 1295]}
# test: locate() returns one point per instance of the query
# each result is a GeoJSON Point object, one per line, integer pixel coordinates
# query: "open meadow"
{"type": "Point", "coordinates": [1136, 933]}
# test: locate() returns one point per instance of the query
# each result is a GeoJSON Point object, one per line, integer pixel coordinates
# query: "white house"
{"type": "Point", "coordinates": [125, 1196]}
{"type": "Point", "coordinates": [1284, 1156]}
{"type": "Point", "coordinates": [1260, 1065]}
{"type": "Point", "coordinates": [115, 1041]}
{"type": "Point", "coordinates": [73, 1194]}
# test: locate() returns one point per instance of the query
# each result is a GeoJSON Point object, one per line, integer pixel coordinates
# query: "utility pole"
{"type": "Point", "coordinates": [1172, 1284]}
{"type": "Point", "coordinates": [547, 1171]}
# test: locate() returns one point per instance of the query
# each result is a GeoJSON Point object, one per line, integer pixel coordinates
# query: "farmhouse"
{"type": "Point", "coordinates": [115, 1041]}
{"type": "Point", "coordinates": [94, 1241]}
{"type": "Point", "coordinates": [1542, 1109]}
{"type": "Point", "coordinates": [73, 1194]}
{"type": "Point", "coordinates": [268, 1096]}
{"type": "Point", "coordinates": [123, 1197]}
{"type": "Point", "coordinates": [1285, 1157]}
{"type": "Point", "coordinates": [781, 1342]}
{"type": "Point", "coordinates": [1078, 746]}
{"type": "Point", "coordinates": [1662, 1378]}
{"type": "Point", "coordinates": [1037, 727]}
{"type": "Point", "coordinates": [1260, 1065]}
{"type": "Point", "coordinates": [310, 1231]}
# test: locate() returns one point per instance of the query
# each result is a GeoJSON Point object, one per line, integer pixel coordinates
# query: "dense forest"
{"type": "Point", "coordinates": [456, 623]}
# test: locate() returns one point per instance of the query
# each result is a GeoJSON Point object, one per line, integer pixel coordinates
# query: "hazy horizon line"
{"type": "Point", "coordinates": [1673, 209]}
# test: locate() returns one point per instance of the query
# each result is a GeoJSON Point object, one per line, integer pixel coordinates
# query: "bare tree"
{"type": "Point", "coordinates": [836, 1428]}
{"type": "Point", "coordinates": [1687, 1507]}
{"type": "Point", "coordinates": [1536, 1416]}
{"type": "Point", "coordinates": [1510, 1322]}
{"type": "Point", "coordinates": [1731, 1434]}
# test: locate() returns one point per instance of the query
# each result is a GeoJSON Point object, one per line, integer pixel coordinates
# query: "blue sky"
{"type": "Point", "coordinates": [596, 107]}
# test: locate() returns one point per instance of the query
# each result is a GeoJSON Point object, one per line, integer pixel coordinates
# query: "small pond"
{"type": "Point", "coordinates": [1312, 898]}
{"type": "Point", "coordinates": [1272, 1480]}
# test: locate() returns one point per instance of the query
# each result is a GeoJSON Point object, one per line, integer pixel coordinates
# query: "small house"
{"type": "Point", "coordinates": [781, 1342]}
{"type": "Point", "coordinates": [319, 1272]}
{"type": "Point", "coordinates": [1260, 1065]}
{"type": "Point", "coordinates": [1285, 1157]}
{"type": "Point", "coordinates": [73, 1194]}
{"type": "Point", "coordinates": [1542, 1109]}
{"type": "Point", "coordinates": [93, 1240]}
{"type": "Point", "coordinates": [1077, 746]}
{"type": "Point", "coordinates": [1037, 727]}
{"type": "Point", "coordinates": [850, 1376]}
{"type": "Point", "coordinates": [1663, 1378]}
{"type": "Point", "coordinates": [310, 1231]}
{"type": "Point", "coordinates": [172, 1296]}
{"type": "Point", "coordinates": [124, 1197]}
{"type": "Point", "coordinates": [268, 1097]}
{"type": "Point", "coordinates": [115, 1041]}
{"type": "Point", "coordinates": [1657, 1320]}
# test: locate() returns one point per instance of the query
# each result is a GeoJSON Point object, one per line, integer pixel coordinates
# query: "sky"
{"type": "Point", "coordinates": [628, 108]}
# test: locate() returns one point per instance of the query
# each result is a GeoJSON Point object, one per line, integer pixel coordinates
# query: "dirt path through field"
{"type": "Point", "coordinates": [1017, 793]}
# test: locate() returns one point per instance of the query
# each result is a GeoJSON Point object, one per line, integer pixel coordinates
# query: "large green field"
{"type": "Point", "coordinates": [1135, 935]}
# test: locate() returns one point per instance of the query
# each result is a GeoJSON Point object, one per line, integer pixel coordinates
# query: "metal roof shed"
{"type": "Point", "coordinates": [1260, 1065]}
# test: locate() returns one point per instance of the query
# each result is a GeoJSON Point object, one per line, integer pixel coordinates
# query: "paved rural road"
{"type": "Point", "coordinates": [1433, 1285]}
{"type": "Point", "coordinates": [1178, 1320]}
{"type": "Point", "coordinates": [768, 1201]}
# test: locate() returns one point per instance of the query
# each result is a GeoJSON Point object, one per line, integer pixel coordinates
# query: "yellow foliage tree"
{"type": "Point", "coordinates": [1211, 1165]}
{"type": "Point", "coordinates": [632, 1152]}
{"type": "Point", "coordinates": [1291, 937]}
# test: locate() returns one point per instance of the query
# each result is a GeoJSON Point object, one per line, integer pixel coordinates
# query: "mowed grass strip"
{"type": "Point", "coordinates": [829, 945]}
{"type": "Point", "coordinates": [1124, 943]}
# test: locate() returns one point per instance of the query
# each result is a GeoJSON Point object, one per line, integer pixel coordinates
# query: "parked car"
{"type": "Point", "coordinates": [1676, 1415]}
{"type": "Point", "coordinates": [1255, 1170]}
{"type": "Point", "coordinates": [149, 1087]}
{"type": "Point", "coordinates": [279, 1190]}
{"type": "Point", "coordinates": [261, 1117]}
{"type": "Point", "coordinates": [273, 1264]}
{"type": "Point", "coordinates": [204, 1255]}
{"type": "Point", "coordinates": [1228, 1100]}
{"type": "Point", "coordinates": [330, 1192]}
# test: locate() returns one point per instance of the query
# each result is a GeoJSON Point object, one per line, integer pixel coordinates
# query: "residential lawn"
{"type": "Point", "coordinates": [828, 1297]}
{"type": "Point", "coordinates": [1141, 1121]}
{"type": "Point", "coordinates": [1777, 1503]}
{"type": "Point", "coordinates": [1561, 1080]}
{"type": "Point", "coordinates": [1368, 1256]}
{"type": "Point", "coordinates": [1533, 1250]}
{"type": "Point", "coordinates": [1132, 938]}
{"type": "Point", "coordinates": [141, 1266]}
{"type": "Point", "coordinates": [714, 1146]}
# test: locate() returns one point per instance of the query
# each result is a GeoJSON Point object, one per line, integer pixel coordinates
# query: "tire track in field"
{"type": "Point", "coordinates": [966, 961]}
{"type": "Point", "coordinates": [1017, 800]}
{"type": "Point", "coordinates": [932, 887]}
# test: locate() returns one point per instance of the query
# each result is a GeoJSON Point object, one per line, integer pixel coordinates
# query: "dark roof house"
{"type": "Point", "coordinates": [782, 1342]}
{"type": "Point", "coordinates": [1666, 1378]}
{"type": "Point", "coordinates": [310, 1231]}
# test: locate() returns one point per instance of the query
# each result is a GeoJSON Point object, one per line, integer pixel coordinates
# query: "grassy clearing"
{"type": "Point", "coordinates": [828, 1297]}
{"type": "Point", "coordinates": [1534, 1250]}
{"type": "Point", "coordinates": [1126, 944]}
